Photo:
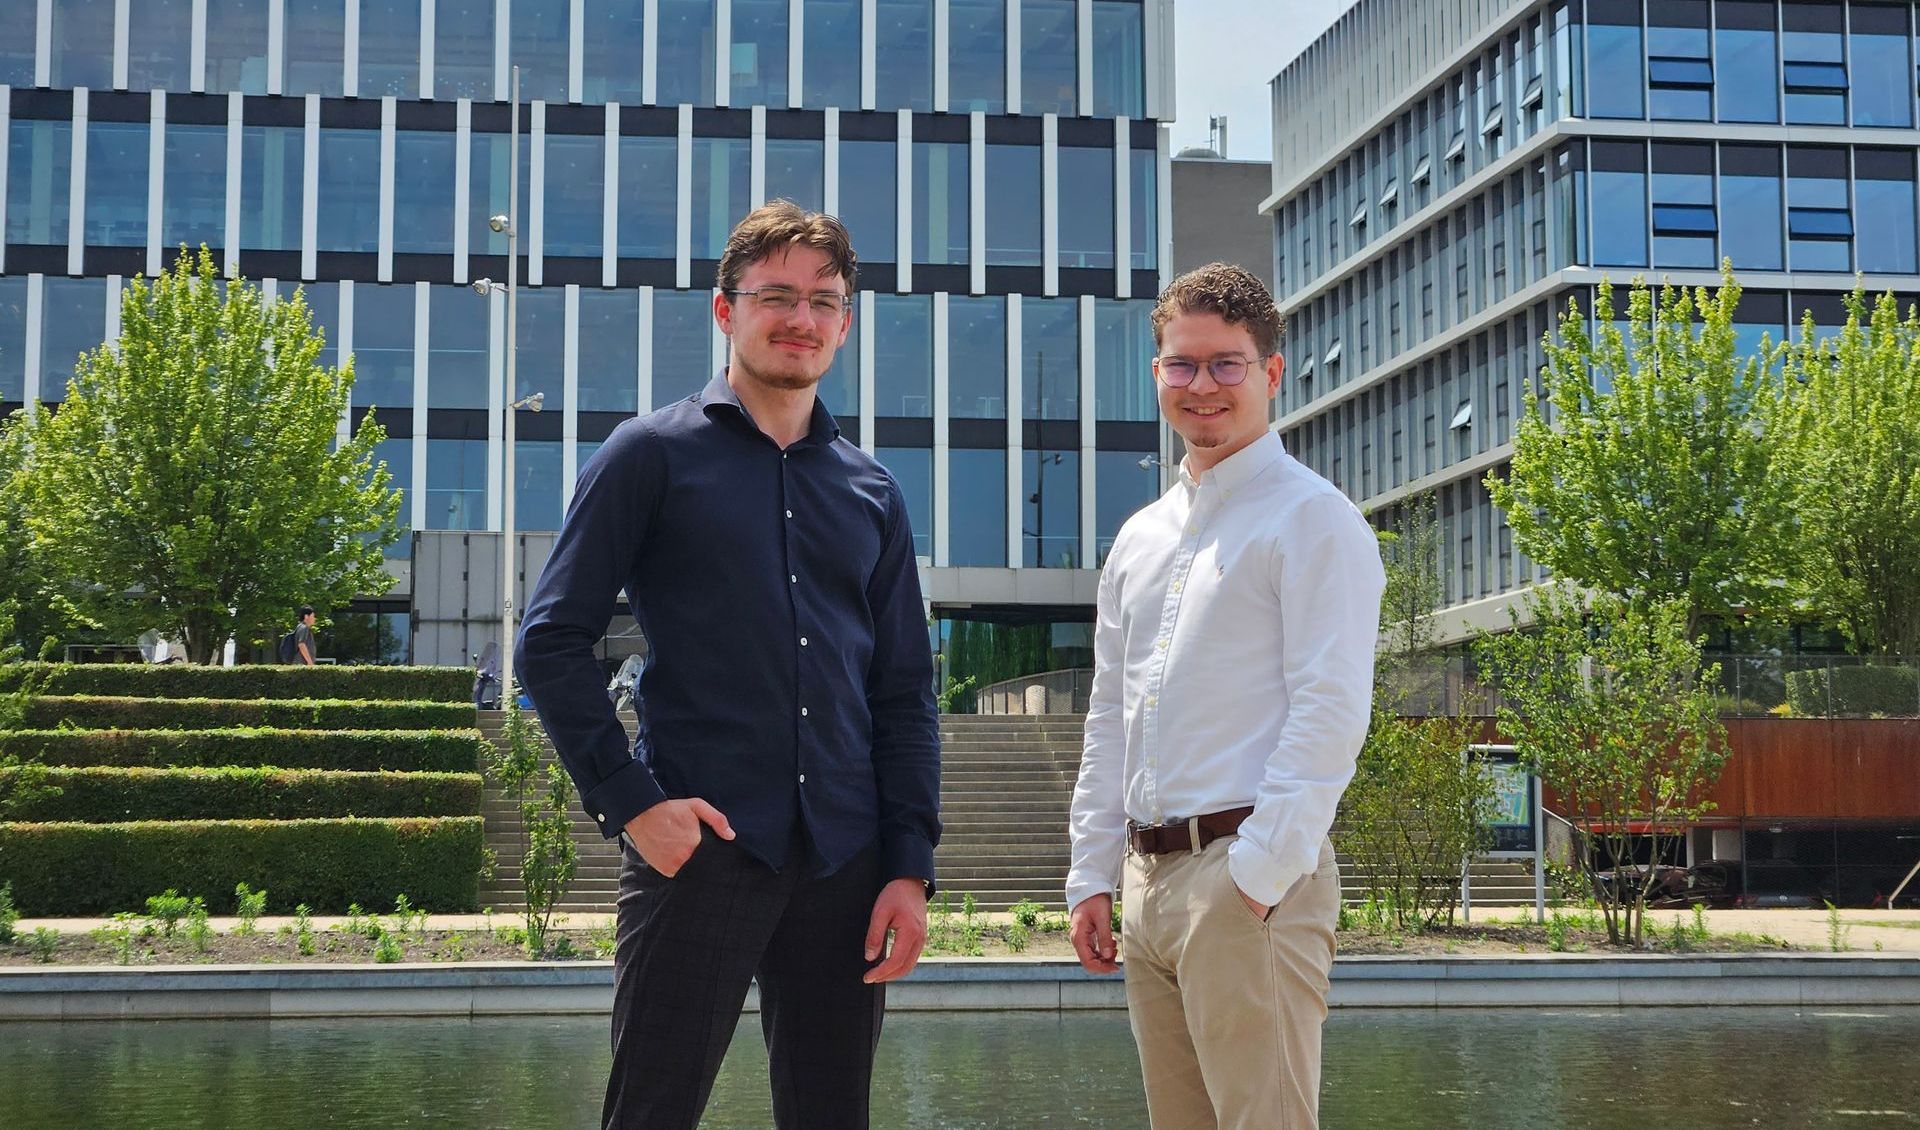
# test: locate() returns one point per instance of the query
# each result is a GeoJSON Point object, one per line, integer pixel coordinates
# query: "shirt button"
{"type": "Point", "coordinates": [803, 712]}
{"type": "Point", "coordinates": [793, 578]}
{"type": "Point", "coordinates": [803, 641]}
{"type": "Point", "coordinates": [602, 817]}
{"type": "Point", "coordinates": [789, 513]}
{"type": "Point", "coordinates": [803, 778]}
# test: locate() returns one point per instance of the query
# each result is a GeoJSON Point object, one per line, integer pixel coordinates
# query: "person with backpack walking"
{"type": "Point", "coordinates": [297, 646]}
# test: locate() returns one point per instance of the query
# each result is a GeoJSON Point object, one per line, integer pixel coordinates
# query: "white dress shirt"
{"type": "Point", "coordinates": [1233, 666]}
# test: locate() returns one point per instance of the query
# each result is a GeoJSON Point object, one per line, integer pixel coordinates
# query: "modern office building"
{"type": "Point", "coordinates": [999, 162]}
{"type": "Point", "coordinates": [1447, 173]}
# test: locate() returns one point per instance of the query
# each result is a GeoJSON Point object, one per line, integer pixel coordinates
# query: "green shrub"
{"type": "Point", "coordinates": [100, 794]}
{"type": "Point", "coordinates": [1854, 691]}
{"type": "Point", "coordinates": [249, 904]}
{"type": "Point", "coordinates": [92, 712]}
{"type": "Point", "coordinates": [185, 680]}
{"type": "Point", "coordinates": [9, 914]}
{"type": "Point", "coordinates": [95, 869]}
{"type": "Point", "coordinates": [407, 751]}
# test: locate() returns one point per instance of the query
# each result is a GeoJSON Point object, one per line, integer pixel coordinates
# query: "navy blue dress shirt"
{"type": "Point", "coordinates": [789, 669]}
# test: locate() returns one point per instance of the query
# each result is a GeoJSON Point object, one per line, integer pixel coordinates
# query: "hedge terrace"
{"type": "Point", "coordinates": [121, 713]}
{"type": "Point", "coordinates": [110, 795]}
{"type": "Point", "coordinates": [405, 751]}
{"type": "Point", "coordinates": [186, 680]}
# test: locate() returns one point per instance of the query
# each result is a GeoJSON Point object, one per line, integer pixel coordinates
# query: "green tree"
{"type": "Point", "coordinates": [548, 857]}
{"type": "Point", "coordinates": [193, 466]}
{"type": "Point", "coordinates": [1610, 707]}
{"type": "Point", "coordinates": [1848, 429]}
{"type": "Point", "coordinates": [1406, 662]}
{"type": "Point", "coordinates": [36, 613]}
{"type": "Point", "coordinates": [1652, 480]}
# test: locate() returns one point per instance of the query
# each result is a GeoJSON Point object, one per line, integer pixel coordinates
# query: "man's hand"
{"type": "Point", "coordinates": [1260, 909]}
{"type": "Point", "coordinates": [1092, 934]}
{"type": "Point", "coordinates": [901, 910]}
{"type": "Point", "coordinates": [666, 834]}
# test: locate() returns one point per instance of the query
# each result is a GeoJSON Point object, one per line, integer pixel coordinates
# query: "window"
{"type": "Point", "coordinates": [1123, 360]}
{"type": "Point", "coordinates": [195, 194]}
{"type": "Point", "coordinates": [457, 348]}
{"type": "Point", "coordinates": [574, 208]}
{"type": "Point", "coordinates": [648, 197]}
{"type": "Point", "coordinates": [1819, 224]}
{"type": "Point", "coordinates": [977, 507]}
{"type": "Point", "coordinates": [1013, 206]}
{"type": "Point", "coordinates": [117, 184]}
{"type": "Point", "coordinates": [159, 34]}
{"type": "Point", "coordinates": [1684, 221]}
{"type": "Point", "coordinates": [1118, 60]}
{"type": "Point", "coordinates": [609, 358]}
{"type": "Point", "coordinates": [536, 484]}
{"type": "Point", "coordinates": [683, 360]}
{"type": "Point", "coordinates": [1619, 204]}
{"type": "Point", "coordinates": [1050, 358]}
{"type": "Point", "coordinates": [903, 49]}
{"type": "Point", "coordinates": [423, 191]}
{"type": "Point", "coordinates": [759, 54]}
{"type": "Point", "coordinates": [685, 71]}
{"type": "Point", "coordinates": [350, 190]}
{"type": "Point", "coordinates": [1750, 189]}
{"type": "Point", "coordinates": [1086, 207]}
{"type": "Point", "coordinates": [1883, 76]}
{"type": "Point", "coordinates": [1144, 240]}
{"type": "Point", "coordinates": [383, 344]}
{"type": "Point", "coordinates": [1747, 71]}
{"type": "Point", "coordinates": [541, 349]}
{"type": "Point", "coordinates": [1679, 75]}
{"type": "Point", "coordinates": [488, 189]}
{"type": "Point", "coordinates": [613, 35]}
{"type": "Point", "coordinates": [1884, 200]}
{"type": "Point", "coordinates": [73, 319]}
{"type": "Point", "coordinates": [457, 484]}
{"type": "Point", "coordinates": [1614, 77]}
{"type": "Point", "coordinates": [912, 471]}
{"type": "Point", "coordinates": [1050, 520]}
{"type": "Point", "coordinates": [39, 188]}
{"type": "Point", "coordinates": [463, 49]}
{"type": "Point", "coordinates": [1759, 316]}
{"type": "Point", "coordinates": [1815, 71]}
{"type": "Point", "coordinates": [537, 44]}
{"type": "Point", "coordinates": [903, 355]}
{"type": "Point", "coordinates": [389, 48]}
{"type": "Point", "coordinates": [839, 390]}
{"type": "Point", "coordinates": [977, 362]}
{"type": "Point", "coordinates": [1121, 486]}
{"type": "Point", "coordinates": [322, 301]}
{"type": "Point", "coordinates": [82, 44]}
{"type": "Point", "coordinates": [869, 198]}
{"type": "Point", "coordinates": [720, 188]}
{"type": "Point", "coordinates": [832, 45]}
{"type": "Point", "coordinates": [315, 53]}
{"type": "Point", "coordinates": [236, 46]}
{"type": "Point", "coordinates": [17, 28]}
{"type": "Point", "coordinates": [796, 171]}
{"type": "Point", "coordinates": [13, 344]}
{"type": "Point", "coordinates": [977, 62]}
{"type": "Point", "coordinates": [1049, 63]}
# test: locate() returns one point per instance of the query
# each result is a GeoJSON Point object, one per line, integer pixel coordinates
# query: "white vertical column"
{"type": "Point", "coordinates": [903, 202]}
{"type": "Point", "coordinates": [388, 119]}
{"type": "Point", "coordinates": [156, 177]}
{"type": "Point", "coordinates": [77, 185]}
{"type": "Point", "coordinates": [610, 201]}
{"type": "Point", "coordinates": [236, 156]}
{"type": "Point", "coordinates": [643, 388]}
{"type": "Point", "coordinates": [344, 344]}
{"type": "Point", "coordinates": [570, 391]}
{"type": "Point", "coordinates": [942, 53]}
{"type": "Point", "coordinates": [6, 130]}
{"type": "Point", "coordinates": [683, 204]}
{"type": "Point", "coordinates": [869, 53]}
{"type": "Point", "coordinates": [1122, 209]}
{"type": "Point", "coordinates": [43, 49]}
{"type": "Point", "coordinates": [977, 203]}
{"type": "Point", "coordinates": [796, 52]}
{"type": "Point", "coordinates": [723, 52]}
{"type": "Point", "coordinates": [650, 51]}
{"type": "Point", "coordinates": [1083, 54]}
{"type": "Point", "coordinates": [1088, 413]}
{"type": "Point", "coordinates": [310, 194]}
{"type": "Point", "coordinates": [757, 158]}
{"type": "Point", "coordinates": [112, 338]}
{"type": "Point", "coordinates": [30, 353]}
{"type": "Point", "coordinates": [942, 427]}
{"type": "Point", "coordinates": [1016, 412]}
{"type": "Point", "coordinates": [1163, 199]}
{"type": "Point", "coordinates": [276, 46]}
{"type": "Point", "coordinates": [1013, 80]}
{"type": "Point", "coordinates": [428, 17]}
{"type": "Point", "coordinates": [350, 58]}
{"type": "Point", "coordinates": [576, 66]}
{"type": "Point", "coordinates": [122, 21]}
{"type": "Point", "coordinates": [502, 32]}
{"type": "Point", "coordinates": [422, 343]}
{"type": "Point", "coordinates": [462, 186]}
{"type": "Point", "coordinates": [537, 197]}
{"type": "Point", "coordinates": [496, 396]}
{"type": "Point", "coordinates": [197, 53]}
{"type": "Point", "coordinates": [863, 325]}
{"type": "Point", "coordinates": [1050, 202]}
{"type": "Point", "coordinates": [830, 161]}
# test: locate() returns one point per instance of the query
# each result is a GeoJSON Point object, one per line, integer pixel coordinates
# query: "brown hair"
{"type": "Point", "coordinates": [781, 224]}
{"type": "Point", "coordinates": [1232, 292]}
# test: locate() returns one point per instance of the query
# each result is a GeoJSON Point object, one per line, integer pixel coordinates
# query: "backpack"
{"type": "Point", "coordinates": [288, 651]}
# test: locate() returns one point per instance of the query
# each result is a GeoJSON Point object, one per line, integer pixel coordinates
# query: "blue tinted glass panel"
{"type": "Point", "coordinates": [1119, 77]}
{"type": "Point", "coordinates": [316, 43]}
{"type": "Point", "coordinates": [1816, 76]}
{"type": "Point", "coordinates": [912, 469]}
{"type": "Point", "coordinates": [903, 46]}
{"type": "Point", "coordinates": [536, 484]}
{"type": "Point", "coordinates": [1883, 77]}
{"type": "Point", "coordinates": [73, 318]}
{"type": "Point", "coordinates": [39, 181]}
{"type": "Point", "coordinates": [457, 348]}
{"type": "Point", "coordinates": [272, 182]}
{"type": "Point", "coordinates": [322, 301]}
{"type": "Point", "coordinates": [389, 48]}
{"type": "Point", "coordinates": [839, 390]}
{"type": "Point", "coordinates": [82, 44]}
{"type": "Point", "coordinates": [349, 190]}
{"type": "Point", "coordinates": [977, 358]}
{"type": "Point", "coordinates": [796, 171]}
{"type": "Point", "coordinates": [613, 37]}
{"type": "Point", "coordinates": [1614, 78]}
{"type": "Point", "coordinates": [194, 208]}
{"type": "Point", "coordinates": [759, 54]}
{"type": "Point", "coordinates": [456, 484]}
{"type": "Point", "coordinates": [423, 191]}
{"type": "Point", "coordinates": [683, 360]}
{"type": "Point", "coordinates": [1684, 219]}
{"type": "Point", "coordinates": [1814, 223]}
{"type": "Point", "coordinates": [1679, 72]}
{"type": "Point", "coordinates": [1747, 72]}
{"type": "Point", "coordinates": [1013, 206]}
{"type": "Point", "coordinates": [1752, 230]}
{"type": "Point", "coordinates": [1145, 191]}
{"type": "Point", "coordinates": [609, 365]}
{"type": "Point", "coordinates": [1121, 487]}
{"type": "Point", "coordinates": [540, 352]}
{"type": "Point", "coordinates": [1813, 54]}
{"type": "Point", "coordinates": [575, 193]}
{"type": "Point", "coordinates": [397, 456]}
{"type": "Point", "coordinates": [977, 507]}
{"type": "Point", "coordinates": [1885, 208]}
{"type": "Point", "coordinates": [1086, 212]}
{"type": "Point", "coordinates": [117, 184]}
{"type": "Point", "coordinates": [159, 44]}
{"type": "Point", "coordinates": [686, 53]}
{"type": "Point", "coordinates": [977, 62]}
{"type": "Point", "coordinates": [649, 188]}
{"type": "Point", "coordinates": [1050, 358]}
{"type": "Point", "coordinates": [489, 189]}
{"type": "Point", "coordinates": [13, 338]}
{"type": "Point", "coordinates": [720, 191]}
{"type": "Point", "coordinates": [940, 212]}
{"type": "Point", "coordinates": [236, 46]}
{"type": "Point", "coordinates": [903, 355]}
{"type": "Point", "coordinates": [463, 50]}
{"type": "Point", "coordinates": [1619, 219]}
{"type": "Point", "coordinates": [1123, 360]}
{"type": "Point", "coordinates": [831, 42]}
{"type": "Point", "coordinates": [17, 32]}
{"type": "Point", "coordinates": [538, 46]}
{"type": "Point", "coordinates": [869, 198]}
{"type": "Point", "coordinates": [1049, 61]}
{"type": "Point", "coordinates": [383, 344]}
{"type": "Point", "coordinates": [1050, 520]}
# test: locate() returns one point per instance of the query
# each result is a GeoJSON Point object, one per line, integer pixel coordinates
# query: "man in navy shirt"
{"type": "Point", "coordinates": [780, 806]}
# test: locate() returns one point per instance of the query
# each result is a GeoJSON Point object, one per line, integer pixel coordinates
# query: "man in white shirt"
{"type": "Point", "coordinates": [1233, 676]}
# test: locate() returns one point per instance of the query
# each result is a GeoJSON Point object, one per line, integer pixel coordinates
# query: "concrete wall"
{"type": "Point", "coordinates": [1216, 215]}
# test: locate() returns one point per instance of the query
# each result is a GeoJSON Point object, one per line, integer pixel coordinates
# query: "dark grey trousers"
{"type": "Point", "coordinates": [687, 949]}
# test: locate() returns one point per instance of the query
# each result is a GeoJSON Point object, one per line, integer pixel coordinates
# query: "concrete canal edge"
{"type": "Point", "coordinates": [271, 992]}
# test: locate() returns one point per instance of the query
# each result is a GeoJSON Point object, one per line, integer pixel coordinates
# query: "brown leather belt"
{"type": "Point", "coordinates": [1159, 839]}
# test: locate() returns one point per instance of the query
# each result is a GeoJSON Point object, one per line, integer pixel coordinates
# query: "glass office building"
{"type": "Point", "coordinates": [999, 162]}
{"type": "Point", "coordinates": [1448, 174]}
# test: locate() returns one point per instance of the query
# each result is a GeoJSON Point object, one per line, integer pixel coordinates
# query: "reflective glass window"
{"type": "Point", "coordinates": [272, 186]}
{"type": "Point", "coordinates": [423, 191]}
{"type": "Point", "coordinates": [349, 190]}
{"type": "Point", "coordinates": [17, 33]}
{"type": "Point", "coordinates": [456, 484]}
{"type": "Point", "coordinates": [314, 60]}
{"type": "Point", "coordinates": [1014, 233]}
{"type": "Point", "coordinates": [1884, 203]}
{"type": "Point", "coordinates": [686, 36]}
{"type": "Point", "coordinates": [1679, 75]}
{"type": "Point", "coordinates": [1760, 316]}
{"type": "Point", "coordinates": [322, 301]}
{"type": "Point", "coordinates": [912, 470]}
{"type": "Point", "coordinates": [540, 352]}
{"type": "Point", "coordinates": [977, 59]}
{"type": "Point", "coordinates": [759, 54]}
{"type": "Point", "coordinates": [1049, 60]}
{"type": "Point", "coordinates": [903, 355]}
{"type": "Point", "coordinates": [720, 191]}
{"type": "Point", "coordinates": [1684, 219]}
{"type": "Point", "coordinates": [389, 48]}
{"type": "Point", "coordinates": [1121, 486]}
{"type": "Point", "coordinates": [796, 171]}
{"type": "Point", "coordinates": [869, 198]}
{"type": "Point", "coordinates": [1747, 69]}
{"type": "Point", "coordinates": [940, 210]}
{"type": "Point", "coordinates": [73, 319]}
{"type": "Point", "coordinates": [1814, 61]}
{"type": "Point", "coordinates": [903, 50]}
{"type": "Point", "coordinates": [839, 389]}
{"type": "Point", "coordinates": [683, 360]}
{"type": "Point", "coordinates": [609, 363]}
{"type": "Point", "coordinates": [489, 189]}
{"type": "Point", "coordinates": [1086, 207]}
{"type": "Point", "coordinates": [1119, 74]}
{"type": "Point", "coordinates": [1144, 242]}
{"type": "Point", "coordinates": [383, 344]}
{"type": "Point", "coordinates": [537, 44]}
{"type": "Point", "coordinates": [977, 507]}
{"type": "Point", "coordinates": [13, 338]}
{"type": "Point", "coordinates": [648, 196]}
{"type": "Point", "coordinates": [39, 181]}
{"type": "Point", "coordinates": [463, 49]}
{"type": "Point", "coordinates": [82, 44]}
{"type": "Point", "coordinates": [1619, 184]}
{"type": "Point", "coordinates": [1819, 221]}
{"type": "Point", "coordinates": [1882, 65]}
{"type": "Point", "coordinates": [159, 44]}
{"type": "Point", "coordinates": [613, 37]}
{"type": "Point", "coordinates": [831, 41]}
{"type": "Point", "coordinates": [194, 199]}
{"type": "Point", "coordinates": [1750, 190]}
{"type": "Point", "coordinates": [1050, 520]}
{"type": "Point", "coordinates": [457, 371]}
{"type": "Point", "coordinates": [1616, 80]}
{"type": "Point", "coordinates": [1123, 360]}
{"type": "Point", "coordinates": [575, 190]}
{"type": "Point", "coordinates": [117, 184]}
{"type": "Point", "coordinates": [1050, 358]}
{"type": "Point", "coordinates": [536, 484]}
{"type": "Point", "coordinates": [236, 46]}
{"type": "Point", "coordinates": [977, 357]}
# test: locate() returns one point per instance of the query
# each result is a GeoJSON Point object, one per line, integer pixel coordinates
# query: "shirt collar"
{"type": "Point", "coordinates": [719, 394]}
{"type": "Point", "coordinates": [1240, 468]}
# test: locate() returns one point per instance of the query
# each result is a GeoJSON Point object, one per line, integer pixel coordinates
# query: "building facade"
{"type": "Point", "coordinates": [999, 162]}
{"type": "Point", "coordinates": [1448, 173]}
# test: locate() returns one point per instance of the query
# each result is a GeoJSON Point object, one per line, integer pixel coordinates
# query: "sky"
{"type": "Point", "coordinates": [1225, 53]}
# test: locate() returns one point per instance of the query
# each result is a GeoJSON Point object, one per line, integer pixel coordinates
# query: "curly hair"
{"type": "Point", "coordinates": [1232, 292]}
{"type": "Point", "coordinates": [781, 224]}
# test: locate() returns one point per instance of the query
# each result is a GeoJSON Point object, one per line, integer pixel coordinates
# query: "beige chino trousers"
{"type": "Point", "coordinates": [1227, 1009]}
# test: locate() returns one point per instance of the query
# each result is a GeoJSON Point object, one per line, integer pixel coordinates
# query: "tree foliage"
{"type": "Point", "coordinates": [549, 858]}
{"type": "Point", "coordinates": [190, 478]}
{"type": "Point", "coordinates": [36, 612]}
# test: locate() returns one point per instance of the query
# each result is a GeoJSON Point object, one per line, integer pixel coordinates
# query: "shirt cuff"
{"type": "Point", "coordinates": [625, 794]}
{"type": "Point", "coordinates": [1081, 889]}
{"type": "Point", "coordinates": [907, 856]}
{"type": "Point", "coordinates": [1258, 877]}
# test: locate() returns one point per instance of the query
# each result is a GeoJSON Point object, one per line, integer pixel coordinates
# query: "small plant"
{"type": "Point", "coordinates": [562, 949]}
{"type": "Point", "coordinates": [406, 919]}
{"type": "Point", "coordinates": [303, 929]}
{"type": "Point", "coordinates": [168, 908]}
{"type": "Point", "coordinates": [43, 942]}
{"type": "Point", "coordinates": [604, 940]}
{"type": "Point", "coordinates": [251, 904]}
{"type": "Point", "coordinates": [1347, 919]}
{"type": "Point", "coordinates": [453, 947]}
{"type": "Point", "coordinates": [118, 935]}
{"type": "Point", "coordinates": [1027, 913]}
{"type": "Point", "coordinates": [1557, 925]}
{"type": "Point", "coordinates": [1055, 923]}
{"type": "Point", "coordinates": [510, 935]}
{"type": "Point", "coordinates": [199, 931]}
{"type": "Point", "coordinates": [1837, 931]}
{"type": "Point", "coordinates": [1700, 934]}
{"type": "Point", "coordinates": [1017, 937]}
{"type": "Point", "coordinates": [9, 913]}
{"type": "Point", "coordinates": [1114, 919]}
{"type": "Point", "coordinates": [386, 948]}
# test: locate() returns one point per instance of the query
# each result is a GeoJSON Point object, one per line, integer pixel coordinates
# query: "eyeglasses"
{"type": "Point", "coordinates": [823, 305]}
{"type": "Point", "coordinates": [1178, 372]}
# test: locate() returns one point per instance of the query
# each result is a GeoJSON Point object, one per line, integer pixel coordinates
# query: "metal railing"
{"type": "Point", "coordinates": [1049, 692]}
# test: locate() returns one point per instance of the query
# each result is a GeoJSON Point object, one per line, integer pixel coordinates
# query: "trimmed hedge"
{"type": "Point", "coordinates": [1854, 691]}
{"type": "Point", "coordinates": [97, 869]}
{"type": "Point", "coordinates": [99, 794]}
{"type": "Point", "coordinates": [98, 713]}
{"type": "Point", "coordinates": [451, 751]}
{"type": "Point", "coordinates": [186, 680]}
